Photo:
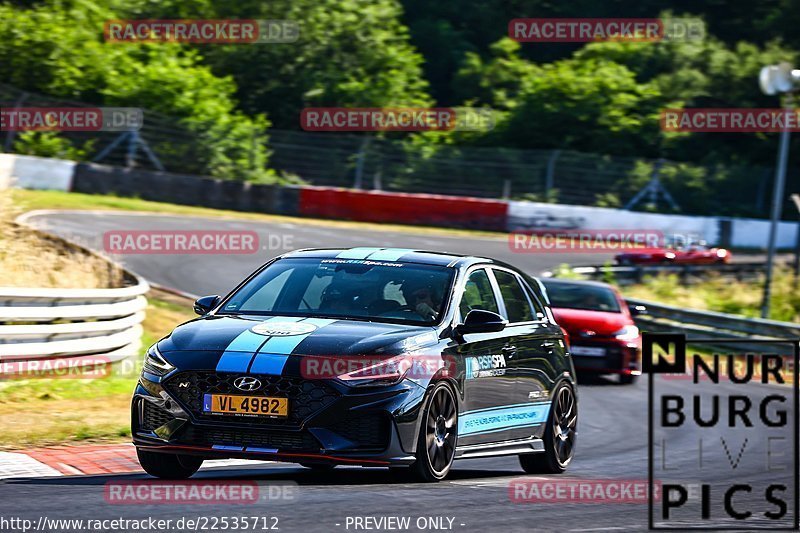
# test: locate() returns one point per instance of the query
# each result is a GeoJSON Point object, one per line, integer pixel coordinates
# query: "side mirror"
{"type": "Point", "coordinates": [205, 304]}
{"type": "Point", "coordinates": [637, 310]}
{"type": "Point", "coordinates": [480, 321]}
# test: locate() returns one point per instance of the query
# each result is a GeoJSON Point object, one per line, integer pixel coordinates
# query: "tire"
{"type": "Point", "coordinates": [559, 449]}
{"type": "Point", "coordinates": [169, 465]}
{"type": "Point", "coordinates": [627, 379]}
{"type": "Point", "coordinates": [438, 436]}
{"type": "Point", "coordinates": [319, 467]}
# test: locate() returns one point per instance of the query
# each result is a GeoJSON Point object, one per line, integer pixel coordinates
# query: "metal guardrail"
{"type": "Point", "coordinates": [39, 323]}
{"type": "Point", "coordinates": [713, 325]}
{"type": "Point", "coordinates": [47, 323]}
{"type": "Point", "coordinates": [694, 322]}
{"type": "Point", "coordinates": [687, 273]}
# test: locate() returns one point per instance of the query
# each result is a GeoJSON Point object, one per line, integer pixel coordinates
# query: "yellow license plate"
{"type": "Point", "coordinates": [229, 404]}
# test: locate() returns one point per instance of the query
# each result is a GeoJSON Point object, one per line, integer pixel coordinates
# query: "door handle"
{"type": "Point", "coordinates": [548, 346]}
{"type": "Point", "coordinates": [509, 351]}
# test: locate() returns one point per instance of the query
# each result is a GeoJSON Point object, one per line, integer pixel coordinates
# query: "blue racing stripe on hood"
{"type": "Point", "coordinates": [272, 356]}
{"type": "Point", "coordinates": [389, 254]}
{"type": "Point", "coordinates": [239, 353]}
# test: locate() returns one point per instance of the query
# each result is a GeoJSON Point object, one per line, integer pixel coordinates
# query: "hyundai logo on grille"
{"type": "Point", "coordinates": [247, 383]}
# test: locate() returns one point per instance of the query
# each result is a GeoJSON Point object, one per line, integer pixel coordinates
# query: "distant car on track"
{"type": "Point", "coordinates": [694, 254]}
{"type": "Point", "coordinates": [545, 221]}
{"type": "Point", "coordinates": [603, 338]}
{"type": "Point", "coordinates": [365, 356]}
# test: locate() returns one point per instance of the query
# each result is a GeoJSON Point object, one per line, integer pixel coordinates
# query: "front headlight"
{"type": "Point", "coordinates": [627, 334]}
{"type": "Point", "coordinates": [154, 362]}
{"type": "Point", "coordinates": [374, 372]}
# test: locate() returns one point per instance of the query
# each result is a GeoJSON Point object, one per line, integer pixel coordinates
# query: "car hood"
{"type": "Point", "coordinates": [602, 323]}
{"type": "Point", "coordinates": [224, 342]}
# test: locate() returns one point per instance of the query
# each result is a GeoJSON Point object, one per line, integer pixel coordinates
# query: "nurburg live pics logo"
{"type": "Point", "coordinates": [738, 419]}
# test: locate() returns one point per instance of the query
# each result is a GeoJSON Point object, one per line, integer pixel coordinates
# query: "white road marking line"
{"type": "Point", "coordinates": [225, 463]}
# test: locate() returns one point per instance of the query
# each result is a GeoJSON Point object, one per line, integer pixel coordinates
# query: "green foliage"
{"type": "Point", "coordinates": [351, 53]}
{"type": "Point", "coordinates": [59, 50]}
{"type": "Point", "coordinates": [602, 97]}
{"type": "Point", "coordinates": [608, 275]}
{"type": "Point", "coordinates": [50, 144]}
{"type": "Point", "coordinates": [721, 294]}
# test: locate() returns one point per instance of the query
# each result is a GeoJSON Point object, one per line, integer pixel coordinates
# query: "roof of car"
{"type": "Point", "coordinates": [404, 255]}
{"type": "Point", "coordinates": [563, 281]}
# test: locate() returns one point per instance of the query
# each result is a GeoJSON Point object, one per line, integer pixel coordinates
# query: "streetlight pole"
{"type": "Point", "coordinates": [777, 205]}
{"type": "Point", "coordinates": [796, 200]}
{"type": "Point", "coordinates": [777, 79]}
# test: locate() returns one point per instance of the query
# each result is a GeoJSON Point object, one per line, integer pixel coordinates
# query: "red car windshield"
{"type": "Point", "coordinates": [579, 296]}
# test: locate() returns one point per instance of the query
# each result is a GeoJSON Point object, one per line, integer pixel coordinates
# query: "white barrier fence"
{"type": "Point", "coordinates": [58, 323]}
{"type": "Point", "coordinates": [744, 232]}
{"type": "Point", "coordinates": [31, 172]}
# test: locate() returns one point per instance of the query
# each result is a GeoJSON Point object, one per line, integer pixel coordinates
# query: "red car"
{"type": "Point", "coordinates": [603, 338]}
{"type": "Point", "coordinates": [695, 254]}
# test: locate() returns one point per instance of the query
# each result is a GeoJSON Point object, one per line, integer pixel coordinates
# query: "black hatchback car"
{"type": "Point", "coordinates": [364, 356]}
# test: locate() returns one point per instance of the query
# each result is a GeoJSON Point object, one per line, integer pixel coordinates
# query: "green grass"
{"type": "Point", "coordinates": [724, 295]}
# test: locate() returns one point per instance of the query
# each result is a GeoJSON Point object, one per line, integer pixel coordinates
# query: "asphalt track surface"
{"type": "Point", "coordinates": [612, 436]}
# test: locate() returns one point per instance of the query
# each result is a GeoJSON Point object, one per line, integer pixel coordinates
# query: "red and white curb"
{"type": "Point", "coordinates": [84, 460]}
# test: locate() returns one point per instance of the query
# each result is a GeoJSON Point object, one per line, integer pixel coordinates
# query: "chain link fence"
{"type": "Point", "coordinates": [370, 161]}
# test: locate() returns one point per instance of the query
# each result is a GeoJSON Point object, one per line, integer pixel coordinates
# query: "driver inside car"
{"type": "Point", "coordinates": [422, 298]}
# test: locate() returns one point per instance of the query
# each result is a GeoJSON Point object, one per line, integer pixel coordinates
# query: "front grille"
{"type": "Point", "coordinates": [306, 397]}
{"type": "Point", "coordinates": [367, 430]}
{"type": "Point", "coordinates": [282, 440]}
{"type": "Point", "coordinates": [154, 417]}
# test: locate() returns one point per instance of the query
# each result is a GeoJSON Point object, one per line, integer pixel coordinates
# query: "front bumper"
{"type": "Point", "coordinates": [618, 357]}
{"type": "Point", "coordinates": [327, 422]}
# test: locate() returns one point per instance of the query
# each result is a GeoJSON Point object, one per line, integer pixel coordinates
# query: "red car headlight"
{"type": "Point", "coordinates": [627, 334]}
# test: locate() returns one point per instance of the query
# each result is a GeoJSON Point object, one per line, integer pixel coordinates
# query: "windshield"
{"type": "Point", "coordinates": [588, 297]}
{"type": "Point", "coordinates": [347, 289]}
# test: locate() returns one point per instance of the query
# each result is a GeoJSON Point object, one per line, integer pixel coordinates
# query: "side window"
{"type": "Point", "coordinates": [517, 305]}
{"type": "Point", "coordinates": [478, 294]}
{"type": "Point", "coordinates": [535, 301]}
